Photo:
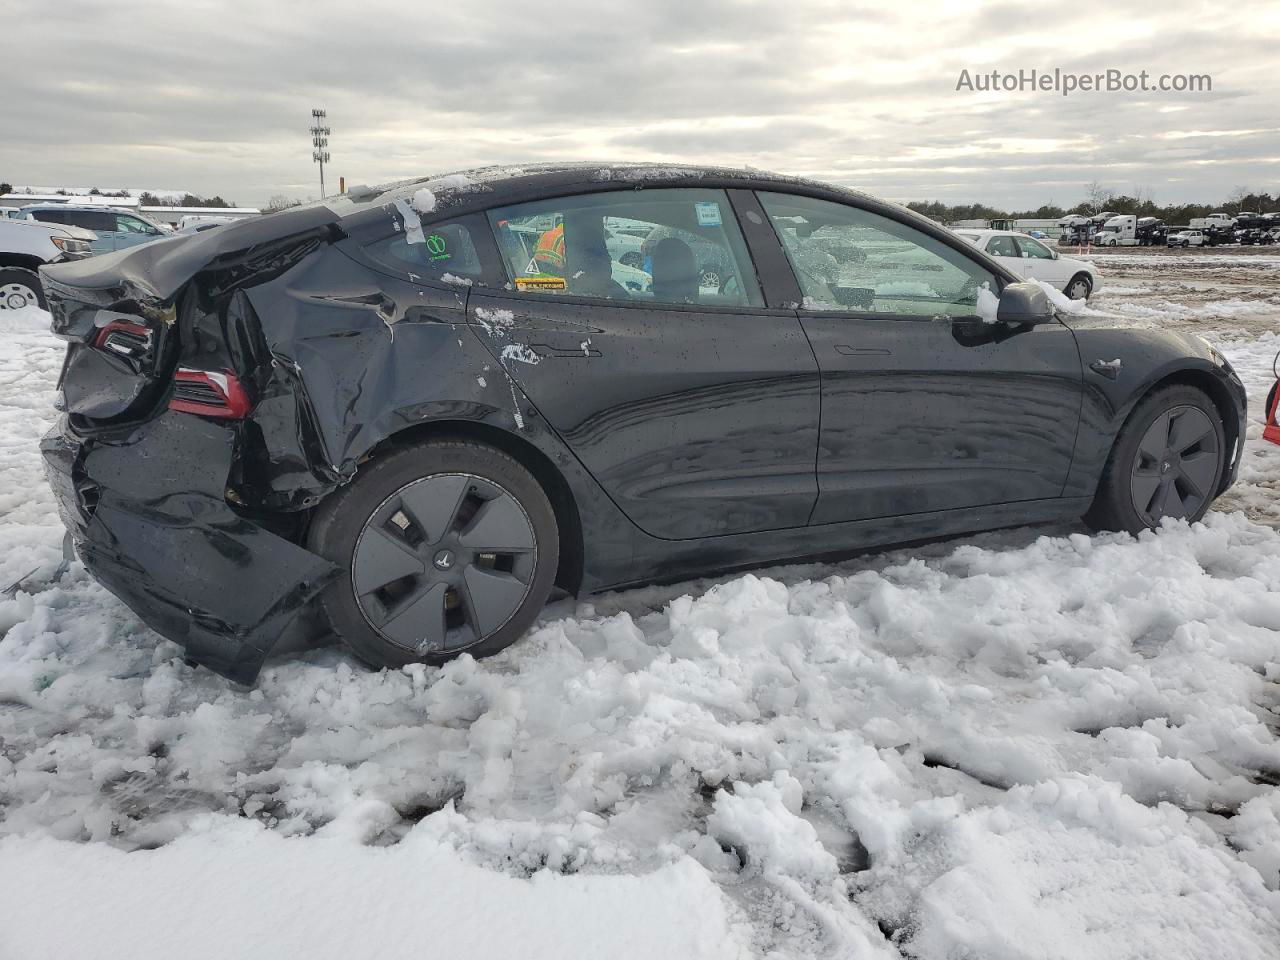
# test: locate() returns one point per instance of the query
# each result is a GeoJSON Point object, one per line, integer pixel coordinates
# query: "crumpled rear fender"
{"type": "Point", "coordinates": [188, 565]}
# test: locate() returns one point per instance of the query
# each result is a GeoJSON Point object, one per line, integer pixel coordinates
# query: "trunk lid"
{"type": "Point", "coordinates": [120, 315]}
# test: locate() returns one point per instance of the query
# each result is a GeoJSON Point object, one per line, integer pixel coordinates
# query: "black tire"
{"type": "Point", "coordinates": [14, 278]}
{"type": "Point", "coordinates": [1079, 287]}
{"type": "Point", "coordinates": [352, 513]}
{"type": "Point", "coordinates": [1186, 480]}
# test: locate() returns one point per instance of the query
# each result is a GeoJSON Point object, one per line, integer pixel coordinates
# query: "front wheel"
{"type": "Point", "coordinates": [445, 547]}
{"type": "Point", "coordinates": [1166, 462]}
{"type": "Point", "coordinates": [20, 288]}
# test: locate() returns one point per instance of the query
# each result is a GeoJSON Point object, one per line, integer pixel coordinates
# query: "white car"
{"type": "Point", "coordinates": [26, 246]}
{"type": "Point", "coordinates": [1030, 259]}
{"type": "Point", "coordinates": [1186, 238]}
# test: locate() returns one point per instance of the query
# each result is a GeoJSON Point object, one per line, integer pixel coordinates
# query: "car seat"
{"type": "Point", "coordinates": [675, 272]}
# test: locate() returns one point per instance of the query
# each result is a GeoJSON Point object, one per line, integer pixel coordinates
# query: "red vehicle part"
{"type": "Point", "coordinates": [1271, 431]}
{"type": "Point", "coordinates": [209, 394]}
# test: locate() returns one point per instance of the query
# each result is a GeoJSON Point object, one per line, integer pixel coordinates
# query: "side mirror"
{"type": "Point", "coordinates": [1024, 305]}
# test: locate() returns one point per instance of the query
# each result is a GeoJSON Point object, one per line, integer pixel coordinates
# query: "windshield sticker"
{"type": "Point", "coordinates": [540, 283]}
{"type": "Point", "coordinates": [437, 247]}
{"type": "Point", "coordinates": [708, 213]}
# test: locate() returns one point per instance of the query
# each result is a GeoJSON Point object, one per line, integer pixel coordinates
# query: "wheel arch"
{"type": "Point", "coordinates": [22, 261]}
{"type": "Point", "coordinates": [1215, 389]}
{"type": "Point", "coordinates": [569, 574]}
{"type": "Point", "coordinates": [1081, 275]}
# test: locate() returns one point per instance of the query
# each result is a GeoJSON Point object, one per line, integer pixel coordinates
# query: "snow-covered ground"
{"type": "Point", "coordinates": [1036, 743]}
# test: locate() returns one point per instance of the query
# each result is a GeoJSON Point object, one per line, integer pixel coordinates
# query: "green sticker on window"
{"type": "Point", "coordinates": [437, 248]}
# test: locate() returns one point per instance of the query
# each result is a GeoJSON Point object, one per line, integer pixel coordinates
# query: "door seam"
{"type": "Point", "coordinates": [817, 446]}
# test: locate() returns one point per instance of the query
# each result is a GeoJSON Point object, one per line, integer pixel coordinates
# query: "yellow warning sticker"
{"type": "Point", "coordinates": [540, 283]}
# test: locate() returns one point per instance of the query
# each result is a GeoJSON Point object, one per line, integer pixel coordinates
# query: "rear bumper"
{"type": "Point", "coordinates": [189, 566]}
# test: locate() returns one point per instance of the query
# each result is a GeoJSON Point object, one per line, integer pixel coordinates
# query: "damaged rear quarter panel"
{"type": "Point", "coordinates": [359, 356]}
{"type": "Point", "coordinates": [355, 358]}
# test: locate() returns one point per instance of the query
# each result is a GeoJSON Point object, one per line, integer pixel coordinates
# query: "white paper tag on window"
{"type": "Point", "coordinates": [708, 213]}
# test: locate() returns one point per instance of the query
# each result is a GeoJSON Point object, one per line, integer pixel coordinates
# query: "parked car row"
{"type": "Point", "coordinates": [1127, 230]}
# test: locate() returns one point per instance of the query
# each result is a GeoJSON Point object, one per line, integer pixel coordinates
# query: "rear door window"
{"type": "Point", "coordinates": [1001, 247]}
{"type": "Point", "coordinates": [676, 246]}
{"type": "Point", "coordinates": [49, 216]}
{"type": "Point", "coordinates": [99, 221]}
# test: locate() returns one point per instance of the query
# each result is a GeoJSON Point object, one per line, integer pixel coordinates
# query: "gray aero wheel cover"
{"type": "Point", "coordinates": [443, 562]}
{"type": "Point", "coordinates": [1177, 460]}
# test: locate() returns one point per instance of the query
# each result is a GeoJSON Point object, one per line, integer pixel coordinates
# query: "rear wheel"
{"type": "Point", "coordinates": [20, 288]}
{"type": "Point", "coordinates": [446, 547]}
{"type": "Point", "coordinates": [1166, 462]}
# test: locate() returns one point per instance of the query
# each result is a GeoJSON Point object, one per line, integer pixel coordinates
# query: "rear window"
{"type": "Point", "coordinates": [1001, 247]}
{"type": "Point", "coordinates": [49, 216]}
{"type": "Point", "coordinates": [440, 251]}
{"type": "Point", "coordinates": [101, 221]}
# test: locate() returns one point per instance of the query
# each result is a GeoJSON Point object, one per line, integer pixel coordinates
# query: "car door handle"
{"type": "Point", "coordinates": [849, 351]}
{"type": "Point", "coordinates": [1107, 368]}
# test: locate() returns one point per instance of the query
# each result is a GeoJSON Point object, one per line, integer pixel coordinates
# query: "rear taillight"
{"type": "Point", "coordinates": [209, 393]}
{"type": "Point", "coordinates": [125, 338]}
{"type": "Point", "coordinates": [1271, 425]}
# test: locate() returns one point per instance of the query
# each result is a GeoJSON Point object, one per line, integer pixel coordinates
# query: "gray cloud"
{"type": "Point", "coordinates": [214, 95]}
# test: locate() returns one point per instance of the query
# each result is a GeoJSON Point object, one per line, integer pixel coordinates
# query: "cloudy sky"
{"type": "Point", "coordinates": [214, 96]}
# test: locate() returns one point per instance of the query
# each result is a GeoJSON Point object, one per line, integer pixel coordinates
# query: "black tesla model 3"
{"type": "Point", "coordinates": [412, 413]}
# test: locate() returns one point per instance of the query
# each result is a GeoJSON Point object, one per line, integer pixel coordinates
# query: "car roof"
{"type": "Point", "coordinates": [498, 182]}
{"type": "Point", "coordinates": [78, 207]}
{"type": "Point", "coordinates": [446, 196]}
{"type": "Point", "coordinates": [480, 188]}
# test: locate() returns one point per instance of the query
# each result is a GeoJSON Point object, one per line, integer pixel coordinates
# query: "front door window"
{"type": "Point", "coordinates": [849, 259]}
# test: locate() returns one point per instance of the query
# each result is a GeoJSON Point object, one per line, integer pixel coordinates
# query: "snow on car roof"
{"type": "Point", "coordinates": [427, 194]}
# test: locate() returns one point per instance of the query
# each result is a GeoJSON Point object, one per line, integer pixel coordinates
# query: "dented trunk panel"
{"type": "Point", "coordinates": [163, 267]}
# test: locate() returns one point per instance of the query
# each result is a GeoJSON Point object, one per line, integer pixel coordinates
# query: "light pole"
{"type": "Point", "coordinates": [320, 141]}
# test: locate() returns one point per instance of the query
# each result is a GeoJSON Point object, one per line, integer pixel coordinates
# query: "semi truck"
{"type": "Point", "coordinates": [1128, 230]}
